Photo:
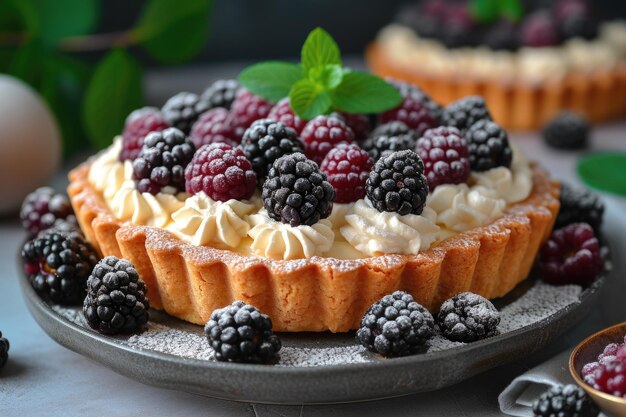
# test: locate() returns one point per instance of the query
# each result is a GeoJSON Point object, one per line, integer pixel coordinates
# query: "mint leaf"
{"type": "Point", "coordinates": [485, 11]}
{"type": "Point", "coordinates": [271, 80]}
{"type": "Point", "coordinates": [308, 100]}
{"type": "Point", "coordinates": [604, 171]}
{"type": "Point", "coordinates": [328, 76]}
{"type": "Point", "coordinates": [361, 92]}
{"type": "Point", "coordinates": [319, 50]}
{"type": "Point", "coordinates": [512, 10]}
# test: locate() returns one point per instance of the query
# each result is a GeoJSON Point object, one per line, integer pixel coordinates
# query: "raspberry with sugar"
{"type": "Point", "coordinates": [138, 124]}
{"type": "Point", "coordinates": [247, 108]}
{"type": "Point", "coordinates": [445, 155]}
{"type": "Point", "coordinates": [216, 126]}
{"type": "Point", "coordinates": [322, 134]}
{"type": "Point", "coordinates": [283, 113]}
{"type": "Point", "coordinates": [347, 167]}
{"type": "Point", "coordinates": [413, 112]}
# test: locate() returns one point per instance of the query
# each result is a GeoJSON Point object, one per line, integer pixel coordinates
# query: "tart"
{"type": "Point", "coordinates": [525, 82]}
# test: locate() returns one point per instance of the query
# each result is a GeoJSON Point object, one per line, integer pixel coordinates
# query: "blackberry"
{"type": "Point", "coordinates": [182, 110]}
{"type": "Point", "coordinates": [296, 191]}
{"type": "Point", "coordinates": [248, 108]}
{"type": "Point", "coordinates": [4, 351]}
{"type": "Point", "coordinates": [468, 317]}
{"type": "Point", "coordinates": [347, 167]}
{"type": "Point", "coordinates": [397, 183]}
{"type": "Point", "coordinates": [162, 161]}
{"type": "Point", "coordinates": [44, 208]}
{"type": "Point", "coordinates": [282, 112]}
{"type": "Point", "coordinates": [574, 19]}
{"type": "Point", "coordinates": [488, 146]}
{"type": "Point", "coordinates": [266, 141]}
{"type": "Point", "coordinates": [564, 401]}
{"type": "Point", "coordinates": [322, 134]}
{"type": "Point", "coordinates": [463, 113]}
{"type": "Point", "coordinates": [138, 124]}
{"type": "Point", "coordinates": [567, 131]}
{"type": "Point", "coordinates": [116, 299]}
{"type": "Point", "coordinates": [57, 265]}
{"type": "Point", "coordinates": [445, 155]}
{"type": "Point", "coordinates": [396, 325]}
{"type": "Point", "coordinates": [413, 112]}
{"type": "Point", "coordinates": [223, 173]}
{"type": "Point", "coordinates": [241, 333]}
{"type": "Point", "coordinates": [221, 93]}
{"type": "Point", "coordinates": [579, 205]}
{"type": "Point", "coordinates": [216, 126]}
{"type": "Point", "coordinates": [390, 137]}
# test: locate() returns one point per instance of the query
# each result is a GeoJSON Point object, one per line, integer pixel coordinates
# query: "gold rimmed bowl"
{"type": "Point", "coordinates": [587, 351]}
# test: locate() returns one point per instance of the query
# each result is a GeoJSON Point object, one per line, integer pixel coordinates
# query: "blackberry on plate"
{"type": "Point", "coordinates": [44, 208]}
{"type": "Point", "coordinates": [241, 333]}
{"type": "Point", "coordinates": [266, 141]}
{"type": "Point", "coordinates": [397, 184]}
{"type": "Point", "coordinates": [567, 131]}
{"type": "Point", "coordinates": [488, 146]}
{"type": "Point", "coordinates": [116, 299]}
{"type": "Point", "coordinates": [322, 134]}
{"type": "Point", "coordinates": [571, 256]}
{"type": "Point", "coordinates": [390, 137]}
{"type": "Point", "coordinates": [538, 29]}
{"type": "Point", "coordinates": [162, 161]}
{"type": "Point", "coordinates": [347, 167]}
{"type": "Point", "coordinates": [248, 108]}
{"type": "Point", "coordinates": [413, 112]}
{"type": "Point", "coordinates": [4, 351]}
{"type": "Point", "coordinates": [283, 113]}
{"type": "Point", "coordinates": [565, 401]}
{"type": "Point", "coordinates": [463, 113]}
{"type": "Point", "coordinates": [221, 93]}
{"type": "Point", "coordinates": [57, 265]}
{"type": "Point", "coordinates": [296, 191]}
{"type": "Point", "coordinates": [182, 110]}
{"type": "Point", "coordinates": [222, 172]}
{"type": "Point", "coordinates": [579, 205]}
{"type": "Point", "coordinates": [468, 317]}
{"type": "Point", "coordinates": [138, 124]}
{"type": "Point", "coordinates": [445, 155]}
{"type": "Point", "coordinates": [396, 325]}
{"type": "Point", "coordinates": [216, 126]}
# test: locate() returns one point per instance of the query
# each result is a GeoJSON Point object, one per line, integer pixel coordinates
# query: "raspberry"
{"type": "Point", "coordinates": [162, 161]}
{"type": "Point", "coordinates": [221, 93]}
{"type": "Point", "coordinates": [241, 333]}
{"type": "Point", "coordinates": [579, 205]}
{"type": "Point", "coordinates": [266, 141]}
{"type": "Point", "coordinates": [445, 155]}
{"type": "Point", "coordinates": [248, 108]}
{"type": "Point", "coordinates": [57, 265]}
{"type": "Point", "coordinates": [538, 30]}
{"type": "Point", "coordinates": [388, 138]}
{"type": "Point", "coordinates": [116, 299]}
{"type": "Point", "coordinates": [610, 377]}
{"type": "Point", "coordinates": [396, 325]}
{"type": "Point", "coordinates": [411, 90]}
{"type": "Point", "coordinates": [359, 123]}
{"type": "Point", "coordinates": [182, 110]}
{"type": "Point", "coordinates": [322, 134]}
{"type": "Point", "coordinates": [223, 173]}
{"type": "Point", "coordinates": [565, 401]}
{"type": "Point", "coordinates": [397, 184]}
{"type": "Point", "coordinates": [574, 19]}
{"type": "Point", "coordinates": [44, 209]}
{"type": "Point", "coordinates": [468, 317]}
{"type": "Point", "coordinates": [216, 126]}
{"type": "Point", "coordinates": [488, 146]}
{"type": "Point", "coordinates": [138, 124]}
{"type": "Point", "coordinates": [567, 131]}
{"type": "Point", "coordinates": [283, 113]}
{"type": "Point", "coordinates": [571, 256]}
{"type": "Point", "coordinates": [413, 112]}
{"type": "Point", "coordinates": [458, 27]}
{"type": "Point", "coordinates": [347, 167]}
{"type": "Point", "coordinates": [296, 192]}
{"type": "Point", "coordinates": [463, 113]}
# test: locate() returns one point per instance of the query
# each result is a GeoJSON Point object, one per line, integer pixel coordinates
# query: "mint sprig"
{"type": "Point", "coordinates": [486, 11]}
{"type": "Point", "coordinates": [320, 84]}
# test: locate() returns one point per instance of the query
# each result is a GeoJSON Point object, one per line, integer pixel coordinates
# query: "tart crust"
{"type": "Point", "coordinates": [319, 293]}
{"type": "Point", "coordinates": [519, 105]}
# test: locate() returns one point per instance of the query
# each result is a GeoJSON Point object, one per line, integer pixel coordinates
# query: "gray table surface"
{"type": "Point", "coordinates": [44, 379]}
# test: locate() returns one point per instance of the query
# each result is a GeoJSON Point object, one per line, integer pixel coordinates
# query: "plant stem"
{"type": "Point", "coordinates": [86, 43]}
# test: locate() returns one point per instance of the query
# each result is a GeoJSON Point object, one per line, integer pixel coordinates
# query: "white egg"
{"type": "Point", "coordinates": [30, 142]}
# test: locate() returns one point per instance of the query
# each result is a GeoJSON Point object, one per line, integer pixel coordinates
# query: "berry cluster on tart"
{"type": "Point", "coordinates": [528, 59]}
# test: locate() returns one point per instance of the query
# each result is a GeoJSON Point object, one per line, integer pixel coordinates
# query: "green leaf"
{"type": "Point", "coordinates": [271, 80]}
{"type": "Point", "coordinates": [28, 62]}
{"type": "Point", "coordinates": [174, 31]}
{"type": "Point", "coordinates": [512, 10]}
{"type": "Point", "coordinates": [328, 76]}
{"type": "Point", "coordinates": [485, 11]}
{"type": "Point", "coordinates": [361, 92]}
{"type": "Point", "coordinates": [319, 50]}
{"type": "Point", "coordinates": [113, 92]}
{"type": "Point", "coordinates": [604, 171]}
{"type": "Point", "coordinates": [308, 100]}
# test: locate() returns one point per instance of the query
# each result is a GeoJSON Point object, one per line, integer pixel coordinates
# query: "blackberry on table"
{"type": "Point", "coordinates": [44, 208]}
{"type": "Point", "coordinates": [396, 325]}
{"type": "Point", "coordinates": [567, 131]}
{"type": "Point", "coordinates": [221, 93]}
{"type": "Point", "coordinates": [4, 350]}
{"type": "Point", "coordinates": [296, 191]}
{"type": "Point", "coordinates": [138, 124]}
{"type": "Point", "coordinates": [162, 161]}
{"type": "Point", "coordinates": [579, 205]}
{"type": "Point", "coordinates": [241, 333]}
{"type": "Point", "coordinates": [488, 146]}
{"type": "Point", "coordinates": [445, 155]}
{"type": "Point", "coordinates": [390, 137]}
{"type": "Point", "coordinates": [397, 184]}
{"type": "Point", "coordinates": [266, 141]}
{"type": "Point", "coordinates": [116, 299]}
{"type": "Point", "coordinates": [468, 317]}
{"type": "Point", "coordinates": [57, 265]}
{"type": "Point", "coordinates": [182, 110]}
{"type": "Point", "coordinates": [565, 401]}
{"type": "Point", "coordinates": [463, 113]}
